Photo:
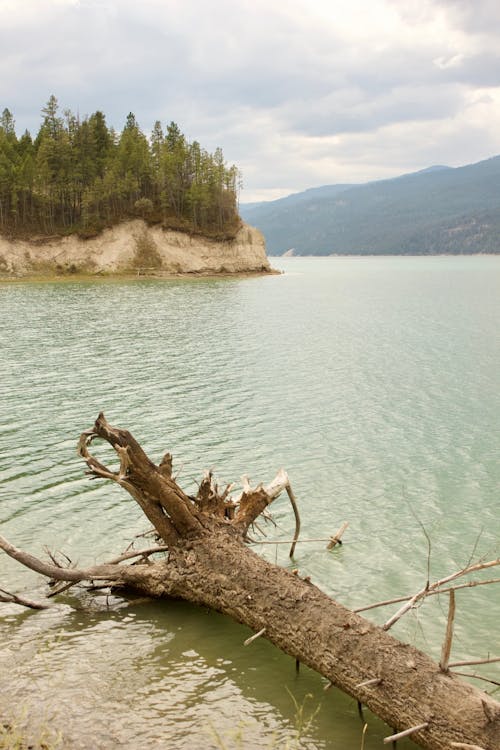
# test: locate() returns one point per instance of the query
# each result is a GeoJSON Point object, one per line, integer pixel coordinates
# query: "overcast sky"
{"type": "Point", "coordinates": [298, 93]}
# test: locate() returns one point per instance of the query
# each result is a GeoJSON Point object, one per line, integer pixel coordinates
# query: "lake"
{"type": "Point", "coordinates": [374, 381]}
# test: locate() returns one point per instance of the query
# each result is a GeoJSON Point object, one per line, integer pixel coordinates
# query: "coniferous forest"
{"type": "Point", "coordinates": [79, 175]}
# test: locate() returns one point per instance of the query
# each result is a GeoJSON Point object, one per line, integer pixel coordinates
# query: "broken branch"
{"type": "Point", "coordinates": [436, 585]}
{"type": "Point", "coordinates": [477, 677]}
{"type": "Point", "coordinates": [471, 663]}
{"type": "Point", "coordinates": [293, 502]}
{"type": "Point", "coordinates": [289, 541]}
{"type": "Point", "coordinates": [436, 592]}
{"type": "Point", "coordinates": [252, 502]}
{"type": "Point", "coordinates": [108, 572]}
{"type": "Point", "coordinates": [337, 537]}
{"type": "Point", "coordinates": [254, 637]}
{"type": "Point", "coordinates": [7, 596]}
{"type": "Point", "coordinates": [446, 650]}
{"type": "Point", "coordinates": [405, 733]}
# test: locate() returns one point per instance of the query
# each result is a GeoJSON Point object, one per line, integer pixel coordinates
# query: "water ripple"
{"type": "Point", "coordinates": [374, 382]}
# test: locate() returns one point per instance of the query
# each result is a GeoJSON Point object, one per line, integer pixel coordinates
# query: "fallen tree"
{"type": "Point", "coordinates": [207, 561]}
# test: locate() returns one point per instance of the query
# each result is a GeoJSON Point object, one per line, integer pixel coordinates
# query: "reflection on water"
{"type": "Point", "coordinates": [150, 674]}
{"type": "Point", "coordinates": [373, 381]}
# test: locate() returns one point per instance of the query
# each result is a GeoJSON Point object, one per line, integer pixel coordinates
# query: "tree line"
{"type": "Point", "coordinates": [79, 175]}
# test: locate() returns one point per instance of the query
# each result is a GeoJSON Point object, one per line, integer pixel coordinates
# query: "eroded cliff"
{"type": "Point", "coordinates": [133, 247]}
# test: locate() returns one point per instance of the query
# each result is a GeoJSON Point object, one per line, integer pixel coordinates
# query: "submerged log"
{"type": "Point", "coordinates": [209, 563]}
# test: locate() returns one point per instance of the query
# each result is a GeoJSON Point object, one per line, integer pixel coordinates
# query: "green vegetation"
{"type": "Point", "coordinates": [78, 175]}
{"type": "Point", "coordinates": [13, 737]}
{"type": "Point", "coordinates": [242, 737]}
{"type": "Point", "coordinates": [439, 210]}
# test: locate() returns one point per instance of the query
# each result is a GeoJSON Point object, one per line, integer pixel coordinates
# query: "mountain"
{"type": "Point", "coordinates": [437, 210]}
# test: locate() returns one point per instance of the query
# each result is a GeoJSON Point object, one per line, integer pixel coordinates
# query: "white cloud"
{"type": "Point", "coordinates": [449, 62]}
{"type": "Point", "coordinates": [298, 94]}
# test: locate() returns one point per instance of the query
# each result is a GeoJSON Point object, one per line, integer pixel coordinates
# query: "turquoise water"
{"type": "Point", "coordinates": [374, 381]}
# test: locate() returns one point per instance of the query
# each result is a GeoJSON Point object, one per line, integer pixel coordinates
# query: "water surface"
{"type": "Point", "coordinates": [373, 381]}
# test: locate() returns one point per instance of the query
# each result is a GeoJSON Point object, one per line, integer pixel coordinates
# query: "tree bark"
{"type": "Point", "coordinates": [209, 563]}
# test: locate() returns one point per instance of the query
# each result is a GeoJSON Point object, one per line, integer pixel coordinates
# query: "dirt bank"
{"type": "Point", "coordinates": [131, 248]}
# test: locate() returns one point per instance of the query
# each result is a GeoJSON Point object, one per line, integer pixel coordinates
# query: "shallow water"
{"type": "Point", "coordinates": [374, 381]}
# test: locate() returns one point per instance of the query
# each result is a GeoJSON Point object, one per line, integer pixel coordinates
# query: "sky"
{"type": "Point", "coordinates": [298, 93]}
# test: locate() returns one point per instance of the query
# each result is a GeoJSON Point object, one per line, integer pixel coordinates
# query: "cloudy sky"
{"type": "Point", "coordinates": [298, 93]}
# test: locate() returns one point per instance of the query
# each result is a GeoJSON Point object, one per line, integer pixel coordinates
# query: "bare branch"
{"type": "Point", "coordinates": [405, 733]}
{"type": "Point", "coordinates": [477, 677]}
{"type": "Point", "coordinates": [62, 588]}
{"type": "Point", "coordinates": [474, 548]}
{"type": "Point", "coordinates": [254, 637]}
{"type": "Point", "coordinates": [436, 585]}
{"type": "Point", "coordinates": [107, 572]}
{"type": "Point", "coordinates": [427, 537]}
{"type": "Point", "coordinates": [468, 585]}
{"type": "Point", "coordinates": [210, 500]}
{"type": "Point", "coordinates": [446, 650]}
{"type": "Point", "coordinates": [143, 535]}
{"type": "Point", "coordinates": [268, 518]}
{"type": "Point", "coordinates": [95, 467]}
{"type": "Point", "coordinates": [476, 661]}
{"type": "Point", "coordinates": [337, 537]}
{"type": "Point", "coordinates": [290, 541]}
{"type": "Point", "coordinates": [144, 553]}
{"type": "Point", "coordinates": [491, 710]}
{"type": "Point", "coordinates": [138, 553]}
{"type": "Point", "coordinates": [7, 596]}
{"type": "Point", "coordinates": [369, 683]}
{"type": "Point", "coordinates": [293, 502]}
{"type": "Point", "coordinates": [432, 592]}
{"type": "Point", "coordinates": [165, 504]}
{"type": "Point", "coordinates": [384, 603]}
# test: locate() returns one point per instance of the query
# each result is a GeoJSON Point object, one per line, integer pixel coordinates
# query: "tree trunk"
{"type": "Point", "coordinates": [210, 564]}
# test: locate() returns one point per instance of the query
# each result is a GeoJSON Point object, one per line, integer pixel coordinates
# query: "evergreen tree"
{"type": "Point", "coordinates": [80, 175]}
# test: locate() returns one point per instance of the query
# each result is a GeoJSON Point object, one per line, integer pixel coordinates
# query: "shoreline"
{"type": "Point", "coordinates": [122, 276]}
{"type": "Point", "coordinates": [389, 255]}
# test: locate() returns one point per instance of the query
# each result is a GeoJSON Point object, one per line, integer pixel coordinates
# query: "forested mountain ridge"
{"type": "Point", "coordinates": [436, 210]}
{"type": "Point", "coordinates": [78, 175]}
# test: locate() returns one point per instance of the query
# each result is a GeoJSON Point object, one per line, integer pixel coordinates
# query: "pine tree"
{"type": "Point", "coordinates": [80, 175]}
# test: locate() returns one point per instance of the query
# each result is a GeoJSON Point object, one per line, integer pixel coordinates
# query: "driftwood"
{"type": "Point", "coordinates": [206, 560]}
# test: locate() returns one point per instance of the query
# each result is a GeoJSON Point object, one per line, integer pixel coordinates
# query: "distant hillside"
{"type": "Point", "coordinates": [436, 210]}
